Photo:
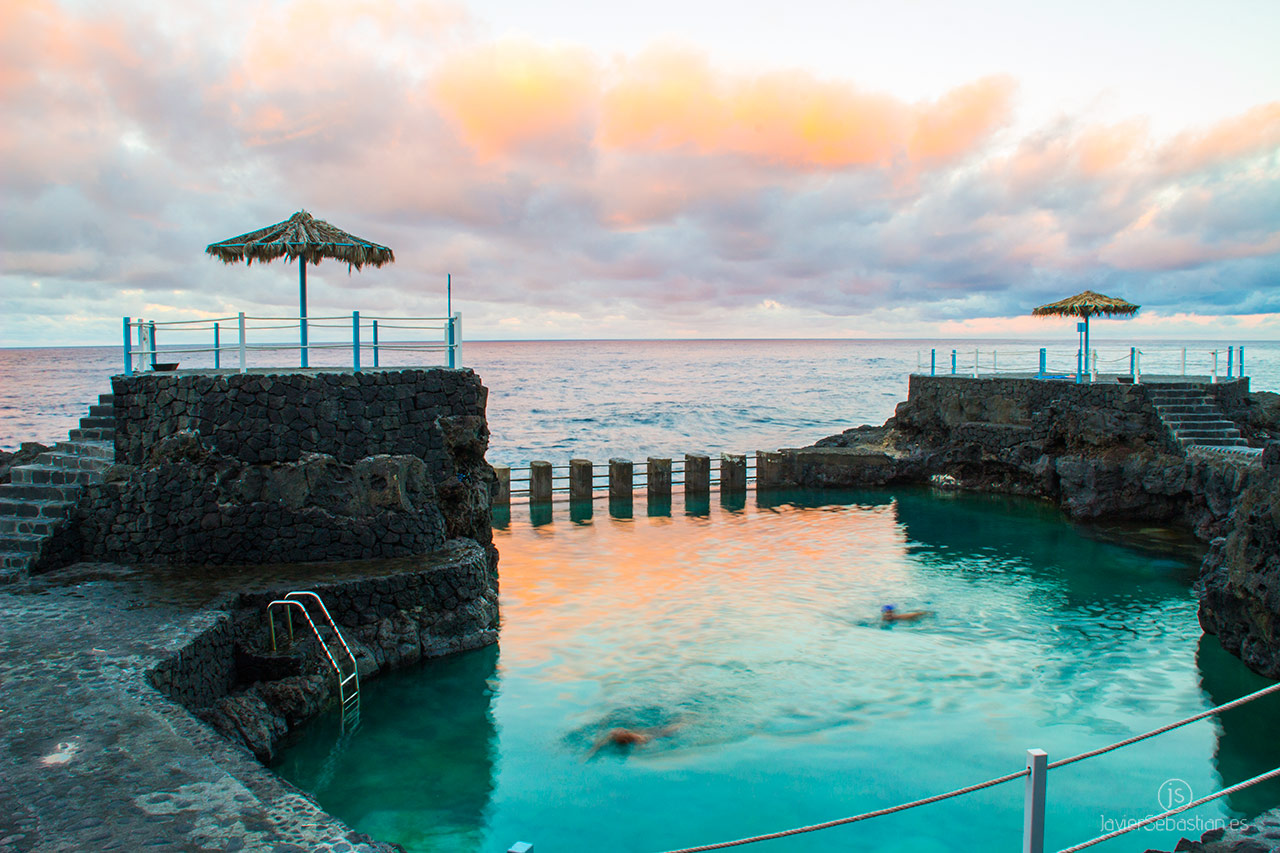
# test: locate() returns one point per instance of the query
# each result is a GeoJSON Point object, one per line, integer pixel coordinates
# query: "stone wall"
{"type": "Point", "coordinates": [999, 413]}
{"type": "Point", "coordinates": [279, 468]}
{"type": "Point", "coordinates": [279, 417]}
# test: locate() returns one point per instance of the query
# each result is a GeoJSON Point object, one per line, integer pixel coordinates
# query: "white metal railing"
{"type": "Point", "coordinates": [247, 339]}
{"type": "Point", "coordinates": [1213, 365]}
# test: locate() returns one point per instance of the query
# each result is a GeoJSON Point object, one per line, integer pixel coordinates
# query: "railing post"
{"type": "Point", "coordinates": [1043, 361]}
{"type": "Point", "coordinates": [375, 343]}
{"type": "Point", "coordinates": [1137, 367]}
{"type": "Point", "coordinates": [733, 473]}
{"type": "Point", "coordinates": [1231, 351]}
{"type": "Point", "coordinates": [658, 479]}
{"type": "Point", "coordinates": [697, 475]}
{"type": "Point", "coordinates": [975, 364]}
{"type": "Point", "coordinates": [128, 356]}
{"type": "Point", "coordinates": [217, 349]}
{"type": "Point", "coordinates": [1033, 804]}
{"type": "Point", "coordinates": [457, 339]}
{"type": "Point", "coordinates": [621, 476]}
{"type": "Point", "coordinates": [540, 482]}
{"type": "Point", "coordinates": [151, 327]}
{"type": "Point", "coordinates": [502, 489]}
{"type": "Point", "coordinates": [1133, 355]}
{"type": "Point", "coordinates": [1215, 367]}
{"type": "Point", "coordinates": [933, 362]}
{"type": "Point", "coordinates": [243, 368]}
{"type": "Point", "coordinates": [581, 485]}
{"type": "Point", "coordinates": [1184, 361]}
{"type": "Point", "coordinates": [1093, 366]}
{"type": "Point", "coordinates": [953, 362]}
{"type": "Point", "coordinates": [355, 341]}
{"type": "Point", "coordinates": [1242, 361]}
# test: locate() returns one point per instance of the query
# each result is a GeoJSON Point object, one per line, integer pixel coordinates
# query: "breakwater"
{"type": "Point", "coordinates": [275, 468]}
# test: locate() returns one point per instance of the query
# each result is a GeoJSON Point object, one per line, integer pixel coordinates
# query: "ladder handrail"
{"type": "Point", "coordinates": [350, 703]}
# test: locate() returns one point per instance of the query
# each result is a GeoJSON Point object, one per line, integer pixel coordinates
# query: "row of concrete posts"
{"type": "Point", "coordinates": [581, 478]}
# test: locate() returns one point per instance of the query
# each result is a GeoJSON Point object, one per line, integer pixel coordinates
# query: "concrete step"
{"type": "Point", "coordinates": [103, 411]}
{"type": "Point", "coordinates": [92, 422]}
{"type": "Point", "coordinates": [34, 508]}
{"type": "Point", "coordinates": [57, 459]}
{"type": "Point", "coordinates": [1201, 442]}
{"type": "Point", "coordinates": [98, 449]}
{"type": "Point", "coordinates": [22, 543]}
{"type": "Point", "coordinates": [14, 565]}
{"type": "Point", "coordinates": [107, 399]}
{"type": "Point", "coordinates": [93, 434]}
{"type": "Point", "coordinates": [48, 475]}
{"type": "Point", "coordinates": [69, 492]}
{"type": "Point", "coordinates": [41, 527]}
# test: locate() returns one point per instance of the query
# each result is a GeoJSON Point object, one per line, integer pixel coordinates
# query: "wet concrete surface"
{"type": "Point", "coordinates": [92, 757]}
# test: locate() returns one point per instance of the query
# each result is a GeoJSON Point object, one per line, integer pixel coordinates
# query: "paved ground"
{"type": "Point", "coordinates": [92, 758]}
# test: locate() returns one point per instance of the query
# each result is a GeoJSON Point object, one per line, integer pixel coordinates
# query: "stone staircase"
{"type": "Point", "coordinates": [1194, 420]}
{"type": "Point", "coordinates": [35, 504]}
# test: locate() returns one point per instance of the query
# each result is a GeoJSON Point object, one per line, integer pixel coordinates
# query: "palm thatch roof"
{"type": "Point", "coordinates": [1087, 304]}
{"type": "Point", "coordinates": [301, 236]}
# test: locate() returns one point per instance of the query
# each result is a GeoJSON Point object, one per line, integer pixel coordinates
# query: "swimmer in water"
{"type": "Point", "coordinates": [630, 737]}
{"type": "Point", "coordinates": [889, 613]}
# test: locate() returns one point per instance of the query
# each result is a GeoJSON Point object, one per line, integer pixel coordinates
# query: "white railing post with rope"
{"type": "Point", "coordinates": [1033, 803]}
{"type": "Point", "coordinates": [243, 363]}
{"type": "Point", "coordinates": [1215, 367]}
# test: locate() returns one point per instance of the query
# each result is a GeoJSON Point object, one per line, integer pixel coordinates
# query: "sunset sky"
{"type": "Point", "coordinates": [651, 170]}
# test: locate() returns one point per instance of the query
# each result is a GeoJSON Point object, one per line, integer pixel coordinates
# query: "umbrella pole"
{"type": "Point", "coordinates": [1086, 346]}
{"type": "Point", "coordinates": [302, 300]}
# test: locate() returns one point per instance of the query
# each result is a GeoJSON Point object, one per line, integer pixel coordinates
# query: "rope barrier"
{"type": "Point", "coordinates": [1127, 741]}
{"type": "Point", "coordinates": [1262, 777]}
{"type": "Point", "coordinates": [959, 792]}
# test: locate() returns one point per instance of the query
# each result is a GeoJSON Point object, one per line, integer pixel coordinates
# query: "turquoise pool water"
{"type": "Point", "coordinates": [751, 634]}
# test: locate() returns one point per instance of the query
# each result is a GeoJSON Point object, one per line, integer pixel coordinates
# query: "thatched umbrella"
{"type": "Point", "coordinates": [1086, 305]}
{"type": "Point", "coordinates": [308, 239]}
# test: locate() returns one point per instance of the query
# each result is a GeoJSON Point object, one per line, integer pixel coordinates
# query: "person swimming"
{"type": "Point", "coordinates": [623, 738]}
{"type": "Point", "coordinates": [890, 613]}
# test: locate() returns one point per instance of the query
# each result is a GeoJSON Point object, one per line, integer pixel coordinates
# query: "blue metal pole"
{"type": "Point", "coordinates": [375, 343]}
{"type": "Point", "coordinates": [448, 299]}
{"type": "Point", "coordinates": [217, 349]}
{"type": "Point", "coordinates": [1231, 351]}
{"type": "Point", "coordinates": [302, 303]}
{"type": "Point", "coordinates": [1043, 361]}
{"type": "Point", "coordinates": [1133, 361]}
{"type": "Point", "coordinates": [933, 362]}
{"type": "Point", "coordinates": [953, 362]}
{"type": "Point", "coordinates": [128, 356]}
{"type": "Point", "coordinates": [355, 341]}
{"type": "Point", "coordinates": [1242, 361]}
{"type": "Point", "coordinates": [152, 326]}
{"type": "Point", "coordinates": [452, 347]}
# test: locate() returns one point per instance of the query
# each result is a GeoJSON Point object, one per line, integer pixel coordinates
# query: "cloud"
{"type": "Point", "coordinates": [562, 186]}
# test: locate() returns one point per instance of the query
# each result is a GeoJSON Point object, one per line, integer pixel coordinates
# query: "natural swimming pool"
{"type": "Point", "coordinates": [754, 634]}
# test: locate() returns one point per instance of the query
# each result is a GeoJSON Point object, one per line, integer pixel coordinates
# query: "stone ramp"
{"type": "Point", "coordinates": [92, 757]}
{"type": "Point", "coordinates": [40, 497]}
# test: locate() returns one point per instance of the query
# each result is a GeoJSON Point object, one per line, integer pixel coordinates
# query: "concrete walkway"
{"type": "Point", "coordinates": [93, 758]}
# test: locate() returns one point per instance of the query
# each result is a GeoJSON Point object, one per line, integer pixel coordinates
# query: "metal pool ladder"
{"type": "Point", "coordinates": [348, 682]}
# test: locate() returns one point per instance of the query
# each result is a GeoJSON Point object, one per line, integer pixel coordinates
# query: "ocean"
{"type": "Point", "coordinates": [555, 400]}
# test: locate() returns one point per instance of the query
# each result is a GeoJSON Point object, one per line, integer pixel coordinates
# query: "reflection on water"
{"type": "Point", "coordinates": [1247, 744]}
{"type": "Point", "coordinates": [744, 644]}
{"type": "Point", "coordinates": [436, 715]}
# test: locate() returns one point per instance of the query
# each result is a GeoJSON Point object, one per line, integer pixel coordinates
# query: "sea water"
{"type": "Point", "coordinates": [555, 400]}
{"type": "Point", "coordinates": [749, 639]}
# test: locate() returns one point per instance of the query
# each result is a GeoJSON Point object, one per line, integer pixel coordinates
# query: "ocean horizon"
{"type": "Point", "coordinates": [557, 399]}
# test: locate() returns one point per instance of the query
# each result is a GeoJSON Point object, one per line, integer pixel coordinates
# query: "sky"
{"type": "Point", "coordinates": [657, 170]}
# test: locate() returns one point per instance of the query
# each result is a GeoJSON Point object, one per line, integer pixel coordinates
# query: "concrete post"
{"type": "Point", "coordinates": [502, 489]}
{"type": "Point", "coordinates": [539, 482]}
{"type": "Point", "coordinates": [770, 470]}
{"type": "Point", "coordinates": [621, 472]}
{"type": "Point", "coordinates": [733, 473]}
{"type": "Point", "coordinates": [697, 474]}
{"type": "Point", "coordinates": [659, 478]}
{"type": "Point", "coordinates": [580, 482]}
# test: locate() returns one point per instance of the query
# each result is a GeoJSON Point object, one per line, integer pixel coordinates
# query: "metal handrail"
{"type": "Point", "coordinates": [349, 703]}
